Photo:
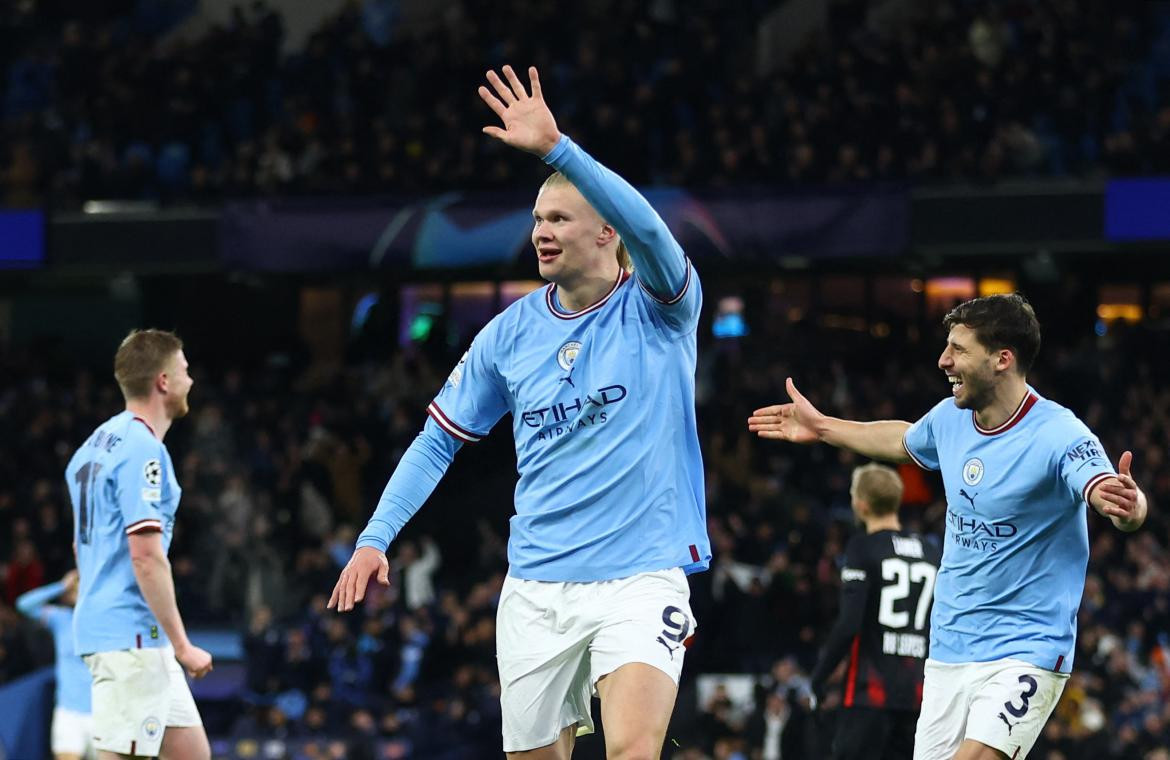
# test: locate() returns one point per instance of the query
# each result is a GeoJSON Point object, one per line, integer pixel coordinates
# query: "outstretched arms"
{"type": "Point", "coordinates": [801, 422]}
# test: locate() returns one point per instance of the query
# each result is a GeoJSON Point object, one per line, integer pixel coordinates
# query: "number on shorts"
{"type": "Point", "coordinates": [902, 573]}
{"type": "Point", "coordinates": [676, 630]}
{"type": "Point", "coordinates": [85, 477]}
{"type": "Point", "coordinates": [1019, 712]}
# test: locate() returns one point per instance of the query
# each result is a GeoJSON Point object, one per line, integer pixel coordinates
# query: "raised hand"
{"type": "Point", "coordinates": [355, 576]}
{"type": "Point", "coordinates": [1121, 499]}
{"type": "Point", "coordinates": [797, 422]}
{"type": "Point", "coordinates": [528, 123]}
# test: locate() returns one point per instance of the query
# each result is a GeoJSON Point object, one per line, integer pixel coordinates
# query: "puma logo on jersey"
{"type": "Point", "coordinates": [1007, 723]}
{"type": "Point", "coordinates": [968, 497]}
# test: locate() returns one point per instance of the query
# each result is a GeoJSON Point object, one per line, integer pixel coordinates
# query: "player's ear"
{"type": "Point", "coordinates": [607, 235]}
{"type": "Point", "coordinates": [1005, 359]}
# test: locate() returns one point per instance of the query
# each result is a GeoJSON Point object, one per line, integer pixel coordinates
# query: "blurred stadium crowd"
{"type": "Point", "coordinates": [109, 106]}
{"type": "Point", "coordinates": [280, 465]}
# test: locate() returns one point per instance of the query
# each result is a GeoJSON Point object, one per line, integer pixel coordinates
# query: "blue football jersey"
{"type": "Point", "coordinates": [1016, 544]}
{"type": "Point", "coordinates": [73, 676]}
{"type": "Point", "coordinates": [603, 411]}
{"type": "Point", "coordinates": [603, 415]}
{"type": "Point", "coordinates": [120, 481]}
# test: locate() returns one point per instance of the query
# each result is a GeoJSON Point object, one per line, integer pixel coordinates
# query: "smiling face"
{"type": "Point", "coordinates": [573, 243]}
{"type": "Point", "coordinates": [972, 369]}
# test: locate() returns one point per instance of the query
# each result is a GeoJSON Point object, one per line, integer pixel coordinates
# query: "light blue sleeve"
{"type": "Point", "coordinates": [138, 482]}
{"type": "Point", "coordinates": [920, 442]}
{"type": "Point", "coordinates": [475, 397]}
{"type": "Point", "coordinates": [418, 472]}
{"type": "Point", "coordinates": [33, 603]}
{"type": "Point", "coordinates": [659, 263]}
{"type": "Point", "coordinates": [1083, 462]}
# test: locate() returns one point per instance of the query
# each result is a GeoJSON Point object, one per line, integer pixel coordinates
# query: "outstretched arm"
{"type": "Point", "coordinates": [529, 125]}
{"type": "Point", "coordinates": [1120, 499]}
{"type": "Point", "coordinates": [801, 422]}
{"type": "Point", "coordinates": [418, 472]}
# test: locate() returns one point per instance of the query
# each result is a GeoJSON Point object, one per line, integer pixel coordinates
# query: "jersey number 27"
{"type": "Point", "coordinates": [899, 574]}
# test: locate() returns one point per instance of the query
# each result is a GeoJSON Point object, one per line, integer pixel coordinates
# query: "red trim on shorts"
{"type": "Point", "coordinates": [1015, 753]}
{"type": "Point", "coordinates": [851, 676]}
{"type": "Point", "coordinates": [138, 645]}
{"type": "Point", "coordinates": [1059, 662]}
{"type": "Point", "coordinates": [133, 746]}
{"type": "Point", "coordinates": [694, 553]}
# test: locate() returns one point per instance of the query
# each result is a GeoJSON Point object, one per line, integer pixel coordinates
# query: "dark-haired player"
{"type": "Point", "coordinates": [1018, 471]}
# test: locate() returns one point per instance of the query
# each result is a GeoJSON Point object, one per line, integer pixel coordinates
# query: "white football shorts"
{"type": "Point", "coordinates": [1003, 704]}
{"type": "Point", "coordinates": [137, 694]}
{"type": "Point", "coordinates": [556, 640]}
{"type": "Point", "coordinates": [72, 733]}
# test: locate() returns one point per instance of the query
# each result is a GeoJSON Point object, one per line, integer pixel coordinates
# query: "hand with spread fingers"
{"type": "Point", "coordinates": [1120, 499]}
{"type": "Point", "coordinates": [797, 422]}
{"type": "Point", "coordinates": [355, 576]}
{"type": "Point", "coordinates": [528, 123]}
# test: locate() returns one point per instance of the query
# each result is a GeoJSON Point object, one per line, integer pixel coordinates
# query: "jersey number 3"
{"type": "Point", "coordinates": [900, 574]}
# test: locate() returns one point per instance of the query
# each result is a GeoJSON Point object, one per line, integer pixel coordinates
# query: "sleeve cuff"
{"type": "Point", "coordinates": [913, 458]}
{"type": "Point", "coordinates": [1097, 480]}
{"type": "Point", "coordinates": [555, 157]}
{"type": "Point", "coordinates": [144, 526]}
{"type": "Point", "coordinates": [372, 542]}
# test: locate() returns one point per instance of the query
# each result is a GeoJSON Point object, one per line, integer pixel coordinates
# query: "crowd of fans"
{"type": "Point", "coordinates": [281, 464]}
{"type": "Point", "coordinates": [103, 100]}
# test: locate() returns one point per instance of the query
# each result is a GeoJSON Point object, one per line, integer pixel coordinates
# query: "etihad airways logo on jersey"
{"type": "Point", "coordinates": [561, 418]}
{"type": "Point", "coordinates": [974, 533]}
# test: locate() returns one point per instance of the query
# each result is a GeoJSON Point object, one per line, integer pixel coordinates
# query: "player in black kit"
{"type": "Point", "coordinates": [887, 587]}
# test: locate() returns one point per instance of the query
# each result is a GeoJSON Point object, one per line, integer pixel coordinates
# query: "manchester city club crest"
{"type": "Point", "coordinates": [151, 727]}
{"type": "Point", "coordinates": [568, 354]}
{"type": "Point", "coordinates": [973, 471]}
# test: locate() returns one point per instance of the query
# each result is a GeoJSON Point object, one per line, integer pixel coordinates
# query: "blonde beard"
{"type": "Point", "coordinates": [178, 409]}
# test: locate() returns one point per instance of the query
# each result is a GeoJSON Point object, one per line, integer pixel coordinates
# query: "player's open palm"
{"type": "Point", "coordinates": [797, 422]}
{"type": "Point", "coordinates": [196, 661]}
{"type": "Point", "coordinates": [355, 576]}
{"type": "Point", "coordinates": [528, 123]}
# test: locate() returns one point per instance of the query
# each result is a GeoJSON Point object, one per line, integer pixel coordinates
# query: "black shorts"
{"type": "Point", "coordinates": [871, 733]}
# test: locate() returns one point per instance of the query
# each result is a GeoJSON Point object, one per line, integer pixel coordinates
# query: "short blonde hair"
{"type": "Point", "coordinates": [556, 179]}
{"type": "Point", "coordinates": [878, 486]}
{"type": "Point", "coordinates": [142, 355]}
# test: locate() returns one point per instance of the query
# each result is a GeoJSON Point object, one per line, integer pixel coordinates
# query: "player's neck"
{"type": "Point", "coordinates": [1004, 404]}
{"type": "Point", "coordinates": [586, 290]}
{"type": "Point", "coordinates": [153, 414]}
{"type": "Point", "coordinates": [885, 522]}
